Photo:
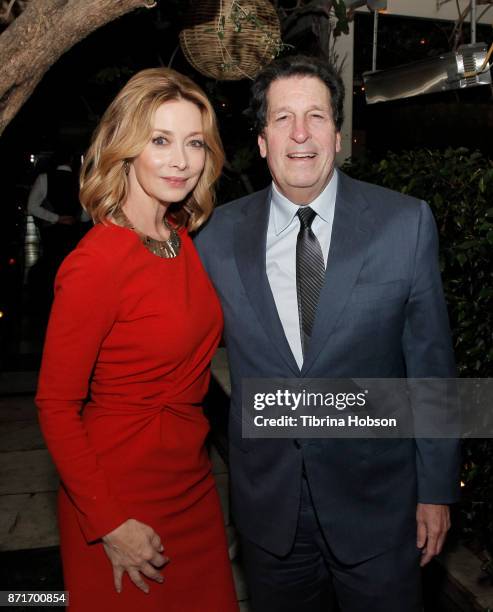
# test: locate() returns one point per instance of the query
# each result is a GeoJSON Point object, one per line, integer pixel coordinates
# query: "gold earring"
{"type": "Point", "coordinates": [126, 166]}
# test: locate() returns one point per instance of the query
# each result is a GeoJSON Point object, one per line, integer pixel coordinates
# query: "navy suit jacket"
{"type": "Point", "coordinates": [381, 314]}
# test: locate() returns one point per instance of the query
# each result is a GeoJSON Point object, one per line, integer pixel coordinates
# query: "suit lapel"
{"type": "Point", "coordinates": [351, 233]}
{"type": "Point", "coordinates": [250, 242]}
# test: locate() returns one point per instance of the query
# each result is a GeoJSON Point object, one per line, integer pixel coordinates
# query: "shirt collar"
{"type": "Point", "coordinates": [284, 211]}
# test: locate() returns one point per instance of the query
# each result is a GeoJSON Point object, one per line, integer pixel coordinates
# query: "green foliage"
{"type": "Point", "coordinates": [458, 185]}
{"type": "Point", "coordinates": [342, 22]}
{"type": "Point", "coordinates": [476, 516]}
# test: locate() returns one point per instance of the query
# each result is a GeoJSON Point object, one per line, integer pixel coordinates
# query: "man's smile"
{"type": "Point", "coordinates": [301, 155]}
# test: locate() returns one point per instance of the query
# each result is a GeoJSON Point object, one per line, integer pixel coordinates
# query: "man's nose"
{"type": "Point", "coordinates": [299, 131]}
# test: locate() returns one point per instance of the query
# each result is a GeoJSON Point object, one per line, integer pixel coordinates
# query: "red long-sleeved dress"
{"type": "Point", "coordinates": [125, 369]}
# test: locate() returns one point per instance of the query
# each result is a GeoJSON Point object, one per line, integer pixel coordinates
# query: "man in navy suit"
{"type": "Point", "coordinates": [318, 517]}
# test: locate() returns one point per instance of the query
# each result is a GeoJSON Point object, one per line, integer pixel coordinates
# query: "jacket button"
{"type": "Point", "coordinates": [297, 444]}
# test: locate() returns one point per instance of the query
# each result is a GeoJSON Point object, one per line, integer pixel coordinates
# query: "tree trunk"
{"type": "Point", "coordinates": [40, 35]}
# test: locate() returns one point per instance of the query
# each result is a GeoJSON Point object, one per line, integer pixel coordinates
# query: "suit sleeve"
{"type": "Point", "coordinates": [84, 310]}
{"type": "Point", "coordinates": [428, 353]}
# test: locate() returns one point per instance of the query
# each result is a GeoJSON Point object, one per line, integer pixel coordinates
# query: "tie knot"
{"type": "Point", "coordinates": [306, 216]}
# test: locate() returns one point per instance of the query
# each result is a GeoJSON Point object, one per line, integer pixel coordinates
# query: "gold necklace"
{"type": "Point", "coordinates": [162, 248]}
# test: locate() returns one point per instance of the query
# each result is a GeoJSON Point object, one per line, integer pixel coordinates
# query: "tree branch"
{"type": "Point", "coordinates": [44, 31]}
{"type": "Point", "coordinates": [7, 12]}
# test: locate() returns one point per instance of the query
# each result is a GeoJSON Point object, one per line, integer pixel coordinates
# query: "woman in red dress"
{"type": "Point", "coordinates": [133, 328]}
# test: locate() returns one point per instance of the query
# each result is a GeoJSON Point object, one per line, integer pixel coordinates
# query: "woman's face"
{"type": "Point", "coordinates": [172, 161]}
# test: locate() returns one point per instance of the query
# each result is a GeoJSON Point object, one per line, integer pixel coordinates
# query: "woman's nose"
{"type": "Point", "coordinates": [178, 158]}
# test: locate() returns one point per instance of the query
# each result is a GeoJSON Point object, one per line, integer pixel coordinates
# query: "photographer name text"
{"type": "Point", "coordinates": [314, 421]}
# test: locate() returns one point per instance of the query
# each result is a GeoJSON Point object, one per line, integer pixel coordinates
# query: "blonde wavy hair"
{"type": "Point", "coordinates": [124, 131]}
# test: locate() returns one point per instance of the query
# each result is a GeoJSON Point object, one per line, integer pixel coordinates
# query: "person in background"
{"type": "Point", "coordinates": [126, 363]}
{"type": "Point", "coordinates": [54, 205]}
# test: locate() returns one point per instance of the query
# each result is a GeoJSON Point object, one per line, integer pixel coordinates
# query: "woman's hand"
{"type": "Point", "coordinates": [135, 548]}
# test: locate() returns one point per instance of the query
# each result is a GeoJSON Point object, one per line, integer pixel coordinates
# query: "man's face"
{"type": "Point", "coordinates": [300, 140]}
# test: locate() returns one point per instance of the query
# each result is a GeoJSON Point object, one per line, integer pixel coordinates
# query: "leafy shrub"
{"type": "Point", "coordinates": [458, 185]}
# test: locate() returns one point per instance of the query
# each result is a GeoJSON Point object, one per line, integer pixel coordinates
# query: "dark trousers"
{"type": "Point", "coordinates": [310, 578]}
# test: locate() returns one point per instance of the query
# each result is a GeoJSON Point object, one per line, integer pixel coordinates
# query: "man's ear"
{"type": "Point", "coordinates": [262, 145]}
{"type": "Point", "coordinates": [338, 142]}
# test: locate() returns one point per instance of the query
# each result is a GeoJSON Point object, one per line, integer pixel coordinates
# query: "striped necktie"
{"type": "Point", "coordinates": [310, 273]}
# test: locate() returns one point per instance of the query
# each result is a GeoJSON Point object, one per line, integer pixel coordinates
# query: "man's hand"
{"type": "Point", "coordinates": [135, 548]}
{"type": "Point", "coordinates": [433, 523]}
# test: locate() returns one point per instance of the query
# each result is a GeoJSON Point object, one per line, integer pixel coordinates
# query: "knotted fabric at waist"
{"type": "Point", "coordinates": [144, 410]}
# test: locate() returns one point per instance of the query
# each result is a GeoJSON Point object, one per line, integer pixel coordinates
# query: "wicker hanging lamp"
{"type": "Point", "coordinates": [231, 39]}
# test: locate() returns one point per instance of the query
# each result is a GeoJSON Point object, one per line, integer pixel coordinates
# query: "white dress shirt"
{"type": "Point", "coordinates": [282, 234]}
{"type": "Point", "coordinates": [38, 193]}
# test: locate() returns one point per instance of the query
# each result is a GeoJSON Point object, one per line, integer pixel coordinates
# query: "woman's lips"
{"type": "Point", "coordinates": [175, 181]}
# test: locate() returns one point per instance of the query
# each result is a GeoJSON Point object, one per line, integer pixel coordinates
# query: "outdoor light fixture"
{"type": "Point", "coordinates": [466, 67]}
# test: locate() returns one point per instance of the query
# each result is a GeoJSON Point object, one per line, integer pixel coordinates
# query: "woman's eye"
{"type": "Point", "coordinates": [317, 116]}
{"type": "Point", "coordinates": [198, 144]}
{"type": "Point", "coordinates": [159, 140]}
{"type": "Point", "coordinates": [281, 117]}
